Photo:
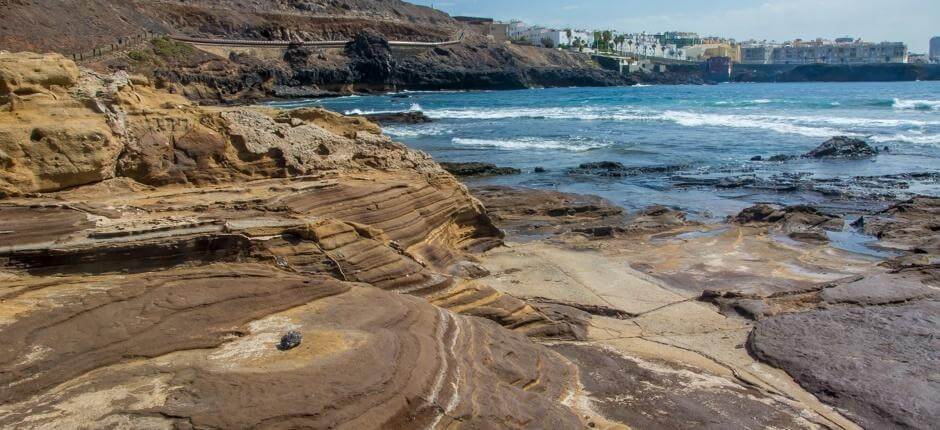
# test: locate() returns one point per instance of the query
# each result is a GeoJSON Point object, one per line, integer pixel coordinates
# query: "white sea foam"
{"type": "Point", "coordinates": [915, 138]}
{"type": "Point", "coordinates": [691, 119]}
{"type": "Point", "coordinates": [903, 104]}
{"type": "Point", "coordinates": [530, 143]}
{"type": "Point", "coordinates": [416, 130]}
{"type": "Point", "coordinates": [585, 114]}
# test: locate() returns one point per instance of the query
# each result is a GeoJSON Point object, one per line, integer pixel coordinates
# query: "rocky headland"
{"type": "Point", "coordinates": [166, 265]}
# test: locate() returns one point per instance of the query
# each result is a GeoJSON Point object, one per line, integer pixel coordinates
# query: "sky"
{"type": "Point", "coordinates": [911, 21]}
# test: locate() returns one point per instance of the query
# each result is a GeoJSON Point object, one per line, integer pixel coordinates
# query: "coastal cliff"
{"type": "Point", "coordinates": [366, 64]}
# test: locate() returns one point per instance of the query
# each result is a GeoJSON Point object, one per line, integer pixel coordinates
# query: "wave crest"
{"type": "Point", "coordinates": [902, 104]}
{"type": "Point", "coordinates": [576, 145]}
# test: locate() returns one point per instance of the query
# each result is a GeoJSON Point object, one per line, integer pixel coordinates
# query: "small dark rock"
{"type": "Point", "coordinates": [290, 340]}
{"type": "Point", "coordinates": [811, 236]}
{"type": "Point", "coordinates": [602, 165]}
{"type": "Point", "coordinates": [781, 157]}
{"type": "Point", "coordinates": [843, 147]}
{"type": "Point", "coordinates": [603, 231]}
{"type": "Point", "coordinates": [540, 170]}
{"type": "Point", "coordinates": [757, 158]}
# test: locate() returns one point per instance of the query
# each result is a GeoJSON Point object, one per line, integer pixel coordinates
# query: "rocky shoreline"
{"type": "Point", "coordinates": [166, 265]}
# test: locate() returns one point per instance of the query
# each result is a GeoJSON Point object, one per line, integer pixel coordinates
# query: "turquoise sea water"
{"type": "Point", "coordinates": [692, 135]}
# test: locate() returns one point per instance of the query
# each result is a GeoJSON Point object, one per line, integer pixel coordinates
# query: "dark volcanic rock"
{"type": "Point", "coordinates": [781, 157]}
{"type": "Point", "coordinates": [290, 340]}
{"type": "Point", "coordinates": [913, 225]}
{"type": "Point", "coordinates": [798, 214]}
{"type": "Point", "coordinates": [371, 56]}
{"type": "Point", "coordinates": [478, 169]}
{"type": "Point", "coordinates": [616, 169]}
{"type": "Point", "coordinates": [410, 117]}
{"type": "Point", "coordinates": [534, 212]}
{"type": "Point", "coordinates": [879, 363]}
{"type": "Point", "coordinates": [842, 147]}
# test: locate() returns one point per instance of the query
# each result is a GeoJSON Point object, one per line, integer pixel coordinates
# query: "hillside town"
{"type": "Point", "coordinates": [692, 47]}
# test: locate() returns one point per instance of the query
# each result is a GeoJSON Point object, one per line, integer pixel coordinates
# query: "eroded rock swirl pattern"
{"type": "Point", "coordinates": [153, 253]}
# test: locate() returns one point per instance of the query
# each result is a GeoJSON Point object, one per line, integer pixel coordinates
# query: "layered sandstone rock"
{"type": "Point", "coordinates": [153, 254]}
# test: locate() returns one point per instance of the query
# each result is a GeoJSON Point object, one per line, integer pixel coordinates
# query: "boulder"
{"type": "Point", "coordinates": [842, 147]}
{"type": "Point", "coordinates": [25, 73]}
{"type": "Point", "coordinates": [371, 56]}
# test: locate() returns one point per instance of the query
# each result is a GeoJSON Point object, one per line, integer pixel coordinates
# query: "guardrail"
{"type": "Point", "coordinates": [123, 43]}
{"type": "Point", "coordinates": [310, 43]}
{"type": "Point", "coordinates": [119, 44]}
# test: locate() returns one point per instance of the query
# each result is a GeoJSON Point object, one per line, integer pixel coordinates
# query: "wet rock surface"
{"type": "Point", "coordinates": [478, 169]}
{"type": "Point", "coordinates": [912, 225]}
{"type": "Point", "coordinates": [533, 212]}
{"type": "Point", "coordinates": [415, 117]}
{"type": "Point", "coordinates": [617, 170]}
{"type": "Point", "coordinates": [843, 147]}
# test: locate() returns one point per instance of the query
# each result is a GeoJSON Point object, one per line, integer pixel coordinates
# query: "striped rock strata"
{"type": "Point", "coordinates": [153, 253]}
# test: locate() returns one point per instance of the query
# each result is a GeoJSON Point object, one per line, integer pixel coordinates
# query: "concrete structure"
{"type": "Point", "coordinates": [935, 49]}
{"type": "Point", "coordinates": [819, 51]}
{"type": "Point", "coordinates": [705, 51]}
{"type": "Point", "coordinates": [498, 31]}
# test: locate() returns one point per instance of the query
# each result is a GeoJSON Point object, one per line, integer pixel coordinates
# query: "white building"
{"type": "Point", "coordinates": [819, 51]}
{"type": "Point", "coordinates": [649, 45]}
{"type": "Point", "coordinates": [541, 36]}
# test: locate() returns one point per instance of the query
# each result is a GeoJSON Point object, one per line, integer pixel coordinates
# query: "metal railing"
{"type": "Point", "coordinates": [119, 44]}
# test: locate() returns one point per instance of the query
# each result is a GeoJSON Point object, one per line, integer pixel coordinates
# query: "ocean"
{"type": "Point", "coordinates": [692, 145]}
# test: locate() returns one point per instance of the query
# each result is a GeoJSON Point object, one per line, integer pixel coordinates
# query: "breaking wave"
{"type": "Point", "coordinates": [586, 114]}
{"type": "Point", "coordinates": [902, 104]}
{"type": "Point", "coordinates": [531, 143]}
{"type": "Point", "coordinates": [776, 124]}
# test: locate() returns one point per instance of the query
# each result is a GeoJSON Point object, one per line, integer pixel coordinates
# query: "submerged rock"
{"type": "Point", "coordinates": [478, 169]}
{"type": "Point", "coordinates": [617, 169]}
{"type": "Point", "coordinates": [842, 147]}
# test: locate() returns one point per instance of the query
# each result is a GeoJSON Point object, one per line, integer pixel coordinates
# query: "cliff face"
{"type": "Point", "coordinates": [368, 64]}
{"type": "Point", "coordinates": [836, 73]}
{"type": "Point", "coordinates": [153, 254]}
{"type": "Point", "coordinates": [50, 25]}
{"type": "Point", "coordinates": [475, 63]}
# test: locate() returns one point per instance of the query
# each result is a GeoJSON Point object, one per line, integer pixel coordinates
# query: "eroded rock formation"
{"type": "Point", "coordinates": [153, 254]}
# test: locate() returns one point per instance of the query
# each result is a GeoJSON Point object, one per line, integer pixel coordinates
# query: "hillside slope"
{"type": "Point", "coordinates": [49, 25]}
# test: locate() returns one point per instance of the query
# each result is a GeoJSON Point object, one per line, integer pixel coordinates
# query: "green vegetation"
{"type": "Point", "coordinates": [171, 49]}
{"type": "Point", "coordinates": [138, 55]}
{"type": "Point", "coordinates": [161, 51]}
